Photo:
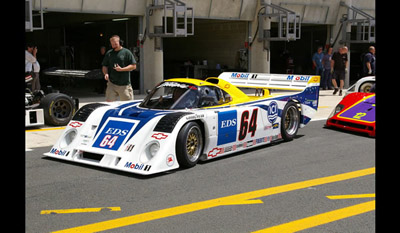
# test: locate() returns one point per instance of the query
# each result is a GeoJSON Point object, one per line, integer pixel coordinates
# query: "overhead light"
{"type": "Point", "coordinates": [87, 23]}
{"type": "Point", "coordinates": [120, 19]}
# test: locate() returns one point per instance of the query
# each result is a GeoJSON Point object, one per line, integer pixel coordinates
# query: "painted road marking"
{"type": "Point", "coordinates": [81, 210]}
{"type": "Point", "coordinates": [242, 198]}
{"type": "Point", "coordinates": [321, 219]}
{"type": "Point", "coordinates": [45, 129]}
{"type": "Point", "coordinates": [351, 196]}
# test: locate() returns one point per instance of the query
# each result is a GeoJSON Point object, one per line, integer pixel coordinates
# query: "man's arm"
{"type": "Point", "coordinates": [104, 69]}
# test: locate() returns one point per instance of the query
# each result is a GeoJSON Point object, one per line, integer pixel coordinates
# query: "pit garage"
{"type": "Point", "coordinates": [253, 36]}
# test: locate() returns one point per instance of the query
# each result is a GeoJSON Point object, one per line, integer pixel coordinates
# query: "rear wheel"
{"type": "Point", "coordinates": [189, 145]}
{"type": "Point", "coordinates": [290, 121]}
{"type": "Point", "coordinates": [58, 108]}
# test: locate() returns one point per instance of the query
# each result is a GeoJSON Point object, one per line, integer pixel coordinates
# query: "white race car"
{"type": "Point", "coordinates": [362, 85]}
{"type": "Point", "coordinates": [182, 121]}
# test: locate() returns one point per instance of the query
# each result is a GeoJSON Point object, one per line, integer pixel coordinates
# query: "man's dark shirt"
{"type": "Point", "coordinates": [340, 61]}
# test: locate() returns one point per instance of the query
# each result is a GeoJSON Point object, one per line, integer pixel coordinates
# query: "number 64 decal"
{"type": "Point", "coordinates": [246, 126]}
{"type": "Point", "coordinates": [108, 141]}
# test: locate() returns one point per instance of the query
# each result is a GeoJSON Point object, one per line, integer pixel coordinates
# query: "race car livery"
{"type": "Point", "coordinates": [182, 121]}
{"type": "Point", "coordinates": [356, 112]}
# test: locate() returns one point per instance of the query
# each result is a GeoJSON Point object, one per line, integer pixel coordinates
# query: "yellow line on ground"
{"type": "Point", "coordinates": [321, 219]}
{"type": "Point", "coordinates": [44, 129]}
{"type": "Point", "coordinates": [82, 210]}
{"type": "Point", "coordinates": [223, 201]}
{"type": "Point", "coordinates": [351, 196]}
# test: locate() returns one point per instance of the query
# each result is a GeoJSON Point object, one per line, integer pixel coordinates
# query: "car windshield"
{"type": "Point", "coordinates": [175, 95]}
{"type": "Point", "coordinates": [172, 95]}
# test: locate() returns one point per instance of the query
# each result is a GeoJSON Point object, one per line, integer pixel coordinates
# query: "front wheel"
{"type": "Point", "coordinates": [290, 121]}
{"type": "Point", "coordinates": [189, 145]}
{"type": "Point", "coordinates": [366, 87]}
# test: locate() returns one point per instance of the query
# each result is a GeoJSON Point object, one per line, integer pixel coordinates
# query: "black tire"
{"type": "Point", "coordinates": [189, 145]}
{"type": "Point", "coordinates": [290, 121]}
{"type": "Point", "coordinates": [58, 109]}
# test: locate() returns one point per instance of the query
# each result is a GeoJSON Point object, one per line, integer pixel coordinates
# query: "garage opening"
{"type": "Point", "coordinates": [73, 41]}
{"type": "Point", "coordinates": [215, 47]}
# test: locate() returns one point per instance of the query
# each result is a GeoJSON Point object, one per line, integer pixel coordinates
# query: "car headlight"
{"type": "Point", "coordinates": [150, 150]}
{"type": "Point", "coordinates": [153, 149]}
{"type": "Point", "coordinates": [68, 138]}
{"type": "Point", "coordinates": [337, 109]}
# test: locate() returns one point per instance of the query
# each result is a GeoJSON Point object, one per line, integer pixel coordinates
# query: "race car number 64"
{"type": "Point", "coordinates": [108, 142]}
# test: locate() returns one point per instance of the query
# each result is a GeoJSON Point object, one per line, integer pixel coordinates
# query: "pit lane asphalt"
{"type": "Point", "coordinates": [316, 152]}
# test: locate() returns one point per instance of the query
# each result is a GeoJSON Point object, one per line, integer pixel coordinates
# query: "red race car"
{"type": "Point", "coordinates": [356, 112]}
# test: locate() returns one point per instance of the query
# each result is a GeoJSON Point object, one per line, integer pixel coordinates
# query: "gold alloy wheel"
{"type": "Point", "coordinates": [193, 143]}
{"type": "Point", "coordinates": [291, 120]}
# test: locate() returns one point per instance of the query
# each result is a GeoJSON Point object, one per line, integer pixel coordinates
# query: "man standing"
{"type": "Point", "coordinates": [32, 65]}
{"type": "Point", "coordinates": [117, 64]}
{"type": "Point", "coordinates": [369, 62]}
{"type": "Point", "coordinates": [317, 61]}
{"type": "Point", "coordinates": [338, 67]}
{"type": "Point", "coordinates": [326, 82]}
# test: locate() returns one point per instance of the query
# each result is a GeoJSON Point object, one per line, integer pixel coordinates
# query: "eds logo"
{"type": "Point", "coordinates": [227, 127]}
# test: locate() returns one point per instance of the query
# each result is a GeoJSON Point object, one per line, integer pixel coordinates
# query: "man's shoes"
{"type": "Point", "coordinates": [340, 93]}
{"type": "Point", "coordinates": [335, 91]}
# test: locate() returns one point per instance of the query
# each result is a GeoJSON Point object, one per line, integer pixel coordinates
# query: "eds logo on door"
{"type": "Point", "coordinates": [227, 127]}
{"type": "Point", "coordinates": [113, 134]}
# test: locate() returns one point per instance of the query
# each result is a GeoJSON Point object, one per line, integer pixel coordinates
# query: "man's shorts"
{"type": "Point", "coordinates": [113, 91]}
{"type": "Point", "coordinates": [338, 75]}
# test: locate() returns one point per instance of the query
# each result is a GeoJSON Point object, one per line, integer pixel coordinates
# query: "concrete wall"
{"type": "Point", "coordinates": [311, 11]}
{"type": "Point", "coordinates": [218, 41]}
{"type": "Point", "coordinates": [128, 7]}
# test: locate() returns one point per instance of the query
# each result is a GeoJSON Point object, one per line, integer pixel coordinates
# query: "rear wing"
{"type": "Point", "coordinates": [293, 82]}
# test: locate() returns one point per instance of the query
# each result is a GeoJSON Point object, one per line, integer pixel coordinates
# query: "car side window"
{"type": "Point", "coordinates": [226, 96]}
{"type": "Point", "coordinates": [210, 96]}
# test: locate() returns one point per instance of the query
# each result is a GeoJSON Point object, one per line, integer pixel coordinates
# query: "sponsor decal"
{"type": "Point", "coordinates": [227, 127]}
{"type": "Point", "coordinates": [299, 78]}
{"type": "Point", "coordinates": [173, 84]}
{"type": "Point", "coordinates": [75, 124]}
{"type": "Point", "coordinates": [195, 116]}
{"type": "Point", "coordinates": [250, 143]}
{"type": "Point", "coordinates": [214, 152]}
{"type": "Point", "coordinates": [170, 160]}
{"type": "Point", "coordinates": [239, 75]}
{"type": "Point", "coordinates": [113, 134]}
{"type": "Point", "coordinates": [137, 166]}
{"type": "Point", "coordinates": [58, 152]}
{"type": "Point", "coordinates": [272, 112]}
{"type": "Point", "coordinates": [159, 136]}
{"type": "Point", "coordinates": [129, 147]}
